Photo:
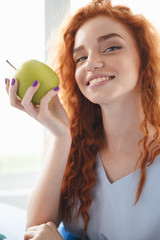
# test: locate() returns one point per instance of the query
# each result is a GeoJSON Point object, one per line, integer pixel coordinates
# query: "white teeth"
{"type": "Point", "coordinates": [100, 79]}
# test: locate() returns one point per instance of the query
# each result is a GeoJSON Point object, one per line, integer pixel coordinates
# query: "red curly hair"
{"type": "Point", "coordinates": [85, 117]}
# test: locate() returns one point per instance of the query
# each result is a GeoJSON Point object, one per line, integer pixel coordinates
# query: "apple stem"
{"type": "Point", "coordinates": [10, 64]}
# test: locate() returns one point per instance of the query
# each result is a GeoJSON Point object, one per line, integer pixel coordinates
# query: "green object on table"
{"type": "Point", "coordinates": [2, 236]}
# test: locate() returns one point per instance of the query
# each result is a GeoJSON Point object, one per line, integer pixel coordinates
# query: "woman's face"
{"type": "Point", "coordinates": [107, 60]}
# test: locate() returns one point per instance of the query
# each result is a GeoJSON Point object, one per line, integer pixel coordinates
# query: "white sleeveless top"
{"type": "Point", "coordinates": [113, 215]}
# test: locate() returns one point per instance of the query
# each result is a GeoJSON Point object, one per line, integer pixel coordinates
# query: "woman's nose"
{"type": "Point", "coordinates": [94, 64]}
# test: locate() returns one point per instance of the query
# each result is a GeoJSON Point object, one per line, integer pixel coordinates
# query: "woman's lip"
{"type": "Point", "coordinates": [96, 80]}
{"type": "Point", "coordinates": [99, 84]}
{"type": "Point", "coordinates": [89, 79]}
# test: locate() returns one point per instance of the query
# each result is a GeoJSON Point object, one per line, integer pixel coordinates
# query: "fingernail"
{"type": "Point", "coordinates": [34, 83]}
{"type": "Point", "coordinates": [56, 89]}
{"type": "Point", "coordinates": [13, 81]}
{"type": "Point", "coordinates": [5, 80]}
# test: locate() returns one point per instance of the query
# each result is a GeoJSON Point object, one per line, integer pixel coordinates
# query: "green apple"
{"type": "Point", "coordinates": [35, 70]}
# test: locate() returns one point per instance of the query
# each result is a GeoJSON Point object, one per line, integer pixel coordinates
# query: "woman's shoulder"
{"type": "Point", "coordinates": [154, 164]}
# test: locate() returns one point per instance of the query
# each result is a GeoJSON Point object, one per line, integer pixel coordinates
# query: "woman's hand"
{"type": "Point", "coordinates": [50, 113]}
{"type": "Point", "coordinates": [46, 231]}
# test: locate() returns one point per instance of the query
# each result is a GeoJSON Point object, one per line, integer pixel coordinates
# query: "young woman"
{"type": "Point", "coordinates": [102, 172]}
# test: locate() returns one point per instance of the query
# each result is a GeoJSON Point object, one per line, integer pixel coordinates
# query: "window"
{"type": "Point", "coordinates": [23, 39]}
{"type": "Point", "coordinates": [21, 138]}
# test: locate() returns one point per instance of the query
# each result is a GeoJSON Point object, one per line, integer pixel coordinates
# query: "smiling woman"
{"type": "Point", "coordinates": [108, 64]}
{"type": "Point", "coordinates": [103, 162]}
{"type": "Point", "coordinates": [104, 60]}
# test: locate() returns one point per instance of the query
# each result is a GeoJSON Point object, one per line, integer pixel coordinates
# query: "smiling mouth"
{"type": "Point", "coordinates": [100, 79]}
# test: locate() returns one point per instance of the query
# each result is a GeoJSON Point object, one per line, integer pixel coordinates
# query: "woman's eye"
{"type": "Point", "coordinates": [111, 49]}
{"type": "Point", "coordinates": [81, 59]}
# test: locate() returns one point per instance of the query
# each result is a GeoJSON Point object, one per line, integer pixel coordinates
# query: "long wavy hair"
{"type": "Point", "coordinates": [85, 117]}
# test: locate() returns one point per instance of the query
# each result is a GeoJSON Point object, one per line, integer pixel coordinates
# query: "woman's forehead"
{"type": "Point", "coordinates": [99, 26]}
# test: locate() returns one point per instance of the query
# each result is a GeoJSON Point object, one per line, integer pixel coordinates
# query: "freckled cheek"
{"type": "Point", "coordinates": [79, 76]}
{"type": "Point", "coordinates": [132, 64]}
{"type": "Point", "coordinates": [128, 67]}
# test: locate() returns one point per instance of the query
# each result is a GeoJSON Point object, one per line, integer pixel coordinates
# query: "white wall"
{"type": "Point", "coordinates": [25, 29]}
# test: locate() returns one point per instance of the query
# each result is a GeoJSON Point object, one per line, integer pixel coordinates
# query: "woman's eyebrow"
{"type": "Point", "coordinates": [100, 39]}
{"type": "Point", "coordinates": [78, 49]}
{"type": "Point", "coordinates": [107, 36]}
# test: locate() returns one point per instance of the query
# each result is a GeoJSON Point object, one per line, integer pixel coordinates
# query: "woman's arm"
{"type": "Point", "coordinates": [44, 202]}
{"type": "Point", "coordinates": [43, 205]}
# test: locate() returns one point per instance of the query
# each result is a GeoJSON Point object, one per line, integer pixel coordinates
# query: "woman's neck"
{"type": "Point", "coordinates": [121, 121]}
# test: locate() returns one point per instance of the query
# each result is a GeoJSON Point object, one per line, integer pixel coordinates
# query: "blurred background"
{"type": "Point", "coordinates": [25, 27]}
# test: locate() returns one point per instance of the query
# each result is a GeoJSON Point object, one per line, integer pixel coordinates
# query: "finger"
{"type": "Point", "coordinates": [44, 113]}
{"type": "Point", "coordinates": [27, 99]}
{"type": "Point", "coordinates": [29, 235]}
{"type": "Point", "coordinates": [7, 84]}
{"type": "Point", "coordinates": [51, 225]}
{"type": "Point", "coordinates": [48, 98]}
{"type": "Point", "coordinates": [34, 228]}
{"type": "Point", "coordinates": [31, 91]}
{"type": "Point", "coordinates": [55, 102]}
{"type": "Point", "coordinates": [53, 229]}
{"type": "Point", "coordinates": [35, 232]}
{"type": "Point", "coordinates": [57, 109]}
{"type": "Point", "coordinates": [14, 101]}
{"type": "Point", "coordinates": [32, 232]}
